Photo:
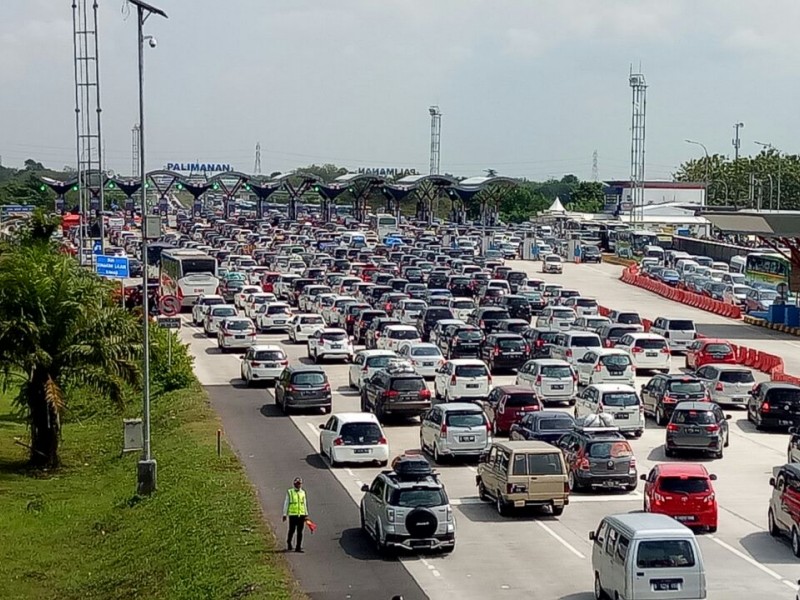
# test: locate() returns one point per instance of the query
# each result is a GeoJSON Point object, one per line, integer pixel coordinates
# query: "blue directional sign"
{"type": "Point", "coordinates": [16, 209]}
{"type": "Point", "coordinates": [113, 266]}
{"type": "Point", "coordinates": [97, 247]}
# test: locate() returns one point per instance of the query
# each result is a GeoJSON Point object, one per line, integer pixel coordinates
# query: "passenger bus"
{"type": "Point", "coordinates": [632, 242]}
{"type": "Point", "coordinates": [383, 224]}
{"type": "Point", "coordinates": [766, 270]}
{"type": "Point", "coordinates": [187, 274]}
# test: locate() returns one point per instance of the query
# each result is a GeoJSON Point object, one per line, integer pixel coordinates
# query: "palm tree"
{"type": "Point", "coordinates": [60, 328]}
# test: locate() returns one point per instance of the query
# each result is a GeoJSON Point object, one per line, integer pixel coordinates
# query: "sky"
{"type": "Point", "coordinates": [530, 88]}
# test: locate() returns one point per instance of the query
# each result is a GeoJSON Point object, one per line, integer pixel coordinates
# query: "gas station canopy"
{"type": "Point", "coordinates": [763, 223]}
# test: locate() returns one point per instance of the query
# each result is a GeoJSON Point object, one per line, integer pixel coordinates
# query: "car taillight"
{"type": "Point", "coordinates": [539, 343]}
{"type": "Point", "coordinates": [538, 380]}
{"type": "Point", "coordinates": [425, 394]}
{"type": "Point", "coordinates": [668, 400]}
{"type": "Point", "coordinates": [391, 393]}
{"type": "Point", "coordinates": [636, 349]}
{"type": "Point", "coordinates": [710, 498]}
{"type": "Point", "coordinates": [527, 349]}
{"type": "Point", "coordinates": [598, 367]}
{"type": "Point", "coordinates": [712, 428]}
{"type": "Point", "coordinates": [489, 379]}
{"type": "Point", "coordinates": [291, 388]}
{"type": "Point", "coordinates": [665, 350]}
{"type": "Point", "coordinates": [574, 377]}
{"type": "Point", "coordinates": [382, 441]}
{"type": "Point", "coordinates": [377, 334]}
{"type": "Point", "coordinates": [443, 429]}
{"type": "Point", "coordinates": [608, 343]}
{"type": "Point", "coordinates": [583, 464]}
{"type": "Point", "coordinates": [764, 407]}
{"type": "Point", "coordinates": [481, 324]}
{"type": "Point", "coordinates": [453, 380]}
{"type": "Point", "coordinates": [338, 442]}
{"type": "Point", "coordinates": [568, 353]}
{"type": "Point", "coordinates": [497, 351]}
{"type": "Point", "coordinates": [632, 465]}
{"type": "Point", "coordinates": [284, 363]}
{"type": "Point", "coordinates": [659, 498]}
{"type": "Point", "coordinates": [719, 387]}
{"type": "Point", "coordinates": [255, 364]}
{"type": "Point", "coordinates": [673, 427]}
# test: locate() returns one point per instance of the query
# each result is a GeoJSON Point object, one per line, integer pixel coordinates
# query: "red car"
{"type": "Point", "coordinates": [684, 492]}
{"type": "Point", "coordinates": [707, 350]}
{"type": "Point", "coordinates": [507, 404]}
{"type": "Point", "coordinates": [268, 279]}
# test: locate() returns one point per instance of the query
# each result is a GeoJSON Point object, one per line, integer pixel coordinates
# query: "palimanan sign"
{"type": "Point", "coordinates": [198, 167]}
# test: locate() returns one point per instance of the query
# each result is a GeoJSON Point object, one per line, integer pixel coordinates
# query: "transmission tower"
{"type": "Point", "coordinates": [436, 138]}
{"type": "Point", "coordinates": [638, 118]}
{"type": "Point", "coordinates": [257, 167]}
{"type": "Point", "coordinates": [595, 173]}
{"type": "Point", "coordinates": [87, 115]}
{"type": "Point", "coordinates": [135, 151]}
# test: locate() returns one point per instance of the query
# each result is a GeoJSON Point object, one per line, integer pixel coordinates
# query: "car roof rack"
{"type": "Point", "coordinates": [409, 467]}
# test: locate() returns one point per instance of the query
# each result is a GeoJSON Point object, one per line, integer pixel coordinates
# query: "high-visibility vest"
{"type": "Point", "coordinates": [297, 503]}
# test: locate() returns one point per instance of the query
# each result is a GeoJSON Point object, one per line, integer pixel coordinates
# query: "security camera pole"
{"type": "Point", "coordinates": [146, 468]}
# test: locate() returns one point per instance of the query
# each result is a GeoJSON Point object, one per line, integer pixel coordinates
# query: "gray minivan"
{"type": "Point", "coordinates": [645, 556]}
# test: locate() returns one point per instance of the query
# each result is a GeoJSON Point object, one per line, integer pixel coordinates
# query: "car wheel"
{"type": "Point", "coordinates": [437, 458]}
{"type": "Point", "coordinates": [326, 410]}
{"type": "Point", "coordinates": [712, 529]}
{"type": "Point", "coordinates": [718, 454]}
{"type": "Point", "coordinates": [422, 443]}
{"type": "Point", "coordinates": [669, 452]}
{"type": "Point", "coordinates": [350, 382]}
{"type": "Point", "coordinates": [774, 530]}
{"type": "Point", "coordinates": [361, 519]}
{"type": "Point", "coordinates": [728, 440]}
{"type": "Point", "coordinates": [557, 511]}
{"type": "Point", "coordinates": [572, 481]}
{"type": "Point", "coordinates": [599, 594]}
{"type": "Point", "coordinates": [502, 507]}
{"type": "Point", "coordinates": [795, 542]}
{"type": "Point", "coordinates": [482, 495]}
{"type": "Point", "coordinates": [380, 544]}
{"type": "Point", "coordinates": [332, 462]}
{"type": "Point", "coordinates": [661, 417]}
{"type": "Point", "coordinates": [316, 357]}
{"type": "Point", "coordinates": [436, 393]}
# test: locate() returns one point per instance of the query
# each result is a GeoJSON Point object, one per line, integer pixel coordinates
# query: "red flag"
{"type": "Point", "coordinates": [312, 527]}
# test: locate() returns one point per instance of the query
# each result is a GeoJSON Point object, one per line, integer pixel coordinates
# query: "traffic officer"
{"type": "Point", "coordinates": [295, 508]}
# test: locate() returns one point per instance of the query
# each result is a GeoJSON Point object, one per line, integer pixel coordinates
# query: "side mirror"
{"type": "Point", "coordinates": [712, 477]}
{"type": "Point", "coordinates": [727, 417]}
{"type": "Point", "coordinates": [793, 430]}
{"type": "Point", "coordinates": [241, 357]}
{"type": "Point", "coordinates": [642, 477]}
{"type": "Point", "coordinates": [772, 482]}
{"type": "Point", "coordinates": [482, 458]}
{"type": "Point", "coordinates": [365, 488]}
{"type": "Point", "coordinates": [322, 425]}
{"type": "Point", "coordinates": [591, 535]}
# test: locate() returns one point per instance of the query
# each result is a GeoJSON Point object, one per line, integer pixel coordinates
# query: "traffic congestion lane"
{"type": "Point", "coordinates": [565, 538]}
{"type": "Point", "coordinates": [601, 281]}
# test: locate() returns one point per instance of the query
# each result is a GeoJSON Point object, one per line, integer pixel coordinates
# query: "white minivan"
{"type": "Point", "coordinates": [618, 400]}
{"type": "Point", "coordinates": [644, 556]}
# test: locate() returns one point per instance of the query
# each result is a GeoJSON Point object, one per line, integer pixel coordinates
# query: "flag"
{"type": "Point", "coordinates": [312, 527]}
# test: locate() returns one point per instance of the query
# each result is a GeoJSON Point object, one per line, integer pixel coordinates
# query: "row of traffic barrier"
{"type": "Point", "coordinates": [631, 276]}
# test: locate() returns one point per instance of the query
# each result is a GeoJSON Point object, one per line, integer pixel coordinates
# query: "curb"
{"type": "Point", "coordinates": [616, 260]}
{"type": "Point", "coordinates": [774, 326]}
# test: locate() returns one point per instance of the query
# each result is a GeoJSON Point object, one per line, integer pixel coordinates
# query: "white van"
{"type": "Point", "coordinates": [354, 239]}
{"type": "Point", "coordinates": [643, 556]}
{"type": "Point", "coordinates": [654, 252]}
{"type": "Point", "coordinates": [684, 266]}
{"type": "Point", "coordinates": [738, 264]}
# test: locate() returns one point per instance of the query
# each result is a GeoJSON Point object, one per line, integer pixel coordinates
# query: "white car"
{"type": "Point", "coordinates": [605, 365]}
{"type": "Point", "coordinates": [335, 316]}
{"type": "Point", "coordinates": [236, 333]}
{"type": "Point", "coordinates": [365, 363]}
{"type": "Point", "coordinates": [424, 357]}
{"type": "Point", "coordinates": [591, 323]}
{"type": "Point", "coordinates": [552, 263]}
{"type": "Point", "coordinates": [240, 297]}
{"type": "Point", "coordinates": [462, 379]}
{"type": "Point", "coordinates": [582, 306]}
{"type": "Point", "coordinates": [407, 311]}
{"type": "Point", "coordinates": [395, 336]}
{"type": "Point", "coordinates": [215, 315]}
{"type": "Point", "coordinates": [621, 402]}
{"type": "Point", "coordinates": [551, 379]}
{"type": "Point", "coordinates": [274, 316]}
{"type": "Point", "coordinates": [353, 438]}
{"type": "Point", "coordinates": [254, 301]}
{"type": "Point", "coordinates": [263, 362]}
{"type": "Point", "coordinates": [462, 307]}
{"type": "Point", "coordinates": [556, 317]}
{"type": "Point", "coordinates": [649, 351]}
{"type": "Point", "coordinates": [305, 301]}
{"type": "Point", "coordinates": [330, 342]}
{"type": "Point", "coordinates": [347, 285]}
{"type": "Point", "coordinates": [323, 303]}
{"type": "Point", "coordinates": [202, 305]}
{"type": "Point", "coordinates": [304, 325]}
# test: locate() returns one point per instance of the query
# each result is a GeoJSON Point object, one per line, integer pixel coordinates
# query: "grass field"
{"type": "Point", "coordinates": [82, 533]}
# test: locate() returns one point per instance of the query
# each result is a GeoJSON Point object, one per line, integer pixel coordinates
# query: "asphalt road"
{"type": "Point", "coordinates": [530, 555]}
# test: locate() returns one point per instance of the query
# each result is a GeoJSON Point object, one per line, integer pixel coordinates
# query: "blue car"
{"type": "Point", "coordinates": [669, 276]}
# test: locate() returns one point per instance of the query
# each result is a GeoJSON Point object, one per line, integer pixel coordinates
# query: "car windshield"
{"type": "Point", "coordinates": [418, 498]}
{"type": "Point", "coordinates": [334, 336]}
{"type": "Point", "coordinates": [683, 485]}
{"type": "Point", "coordinates": [470, 335]}
{"type": "Point", "coordinates": [223, 312]}
{"type": "Point", "coordinates": [471, 371]}
{"type": "Point", "coordinates": [555, 424]}
{"type": "Point", "coordinates": [680, 325]}
{"type": "Point", "coordinates": [277, 310]}
{"type": "Point", "coordinates": [379, 362]}
{"type": "Point", "coordinates": [464, 419]}
{"type": "Point", "coordinates": [517, 302]}
{"type": "Point", "coordinates": [559, 371]}
{"type": "Point", "coordinates": [743, 376]}
{"type": "Point", "coordinates": [239, 325]}
{"type": "Point", "coordinates": [212, 301]}
{"type": "Point", "coordinates": [610, 450]}
{"type": "Point", "coordinates": [620, 399]}
{"type": "Point", "coordinates": [783, 395]}
{"type": "Point", "coordinates": [669, 273]}
{"type": "Point", "coordinates": [269, 355]}
{"type": "Point", "coordinates": [408, 384]}
{"type": "Point", "coordinates": [717, 349]}
{"type": "Point", "coordinates": [510, 344]}
{"type": "Point", "coordinates": [615, 360]}
{"type": "Point", "coordinates": [537, 464]}
{"type": "Point", "coordinates": [685, 387]}
{"type": "Point", "coordinates": [315, 320]}
{"type": "Point", "coordinates": [586, 302]}
{"type": "Point", "coordinates": [308, 379]}
{"type": "Point", "coordinates": [767, 295]}
{"type": "Point", "coordinates": [664, 554]}
{"type": "Point", "coordinates": [496, 315]}
{"type": "Point", "coordinates": [693, 417]}
{"type": "Point", "coordinates": [438, 314]}
{"type": "Point", "coordinates": [462, 304]}
{"type": "Point", "coordinates": [403, 334]}
{"type": "Point", "coordinates": [585, 341]}
{"type": "Point", "coordinates": [521, 399]}
{"type": "Point", "coordinates": [650, 344]}
{"type": "Point", "coordinates": [425, 351]}
{"type": "Point", "coordinates": [353, 434]}
{"type": "Point", "coordinates": [414, 306]}
{"type": "Point", "coordinates": [563, 313]}
{"type": "Point", "coordinates": [629, 319]}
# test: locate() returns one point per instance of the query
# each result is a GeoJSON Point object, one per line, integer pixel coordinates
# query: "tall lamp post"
{"type": "Point", "coordinates": [737, 142]}
{"type": "Point", "coordinates": [778, 192]}
{"type": "Point", "coordinates": [705, 151]}
{"type": "Point", "coordinates": [146, 468]}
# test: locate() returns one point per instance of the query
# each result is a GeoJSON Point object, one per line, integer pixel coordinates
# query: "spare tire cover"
{"type": "Point", "coordinates": [421, 523]}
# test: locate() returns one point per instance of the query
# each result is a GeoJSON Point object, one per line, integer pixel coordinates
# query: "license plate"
{"type": "Point", "coordinates": [280, 322]}
{"type": "Point", "coordinates": [270, 365]}
{"type": "Point", "coordinates": [557, 387]}
{"type": "Point", "coordinates": [472, 386]}
{"type": "Point", "coordinates": [513, 353]}
{"type": "Point", "coordinates": [239, 337]}
{"type": "Point", "coordinates": [362, 451]}
{"type": "Point", "coordinates": [466, 438]}
{"type": "Point", "coordinates": [651, 354]}
{"type": "Point", "coordinates": [692, 430]}
{"type": "Point", "coordinates": [784, 422]}
{"type": "Point", "coordinates": [336, 346]}
{"type": "Point", "coordinates": [666, 585]}
{"type": "Point", "coordinates": [685, 518]}
{"type": "Point", "coordinates": [621, 416]}
{"type": "Point", "coordinates": [427, 364]}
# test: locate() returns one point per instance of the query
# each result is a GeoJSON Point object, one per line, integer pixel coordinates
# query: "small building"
{"type": "Point", "coordinates": [675, 193]}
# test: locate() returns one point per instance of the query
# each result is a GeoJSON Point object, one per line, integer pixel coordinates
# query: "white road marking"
{"type": "Point", "coordinates": [750, 560]}
{"type": "Point", "coordinates": [632, 497]}
{"type": "Point", "coordinates": [431, 568]}
{"type": "Point", "coordinates": [312, 427]}
{"type": "Point", "coordinates": [350, 472]}
{"type": "Point", "coordinates": [561, 540]}
{"type": "Point", "coordinates": [473, 469]}
{"type": "Point", "coordinates": [359, 483]}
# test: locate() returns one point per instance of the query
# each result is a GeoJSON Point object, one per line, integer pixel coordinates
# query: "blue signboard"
{"type": "Point", "coordinates": [97, 247]}
{"type": "Point", "coordinates": [112, 266]}
{"type": "Point", "coordinates": [17, 209]}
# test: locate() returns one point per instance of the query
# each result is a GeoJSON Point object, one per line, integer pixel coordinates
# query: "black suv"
{"type": "Point", "coordinates": [506, 351]}
{"type": "Point", "coordinates": [487, 317]}
{"type": "Point", "coordinates": [459, 285]}
{"type": "Point", "coordinates": [460, 341]}
{"type": "Point", "coordinates": [591, 254]}
{"type": "Point", "coordinates": [774, 404]}
{"type": "Point", "coordinates": [428, 319]}
{"type": "Point", "coordinates": [395, 390]}
{"type": "Point", "coordinates": [662, 393]}
{"type": "Point", "coordinates": [517, 306]}
{"type": "Point", "coordinates": [600, 457]}
{"type": "Point", "coordinates": [375, 330]}
{"type": "Point", "coordinates": [303, 386]}
{"type": "Point", "coordinates": [364, 319]}
{"type": "Point", "coordinates": [697, 426]}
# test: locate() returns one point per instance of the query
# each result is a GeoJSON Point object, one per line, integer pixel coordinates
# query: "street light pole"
{"type": "Point", "coordinates": [778, 193]}
{"type": "Point", "coordinates": [705, 151]}
{"type": "Point", "coordinates": [146, 468]}
{"type": "Point", "coordinates": [736, 140]}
